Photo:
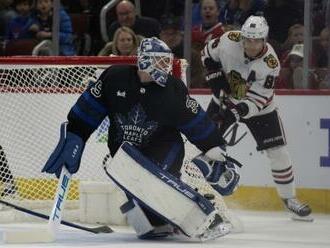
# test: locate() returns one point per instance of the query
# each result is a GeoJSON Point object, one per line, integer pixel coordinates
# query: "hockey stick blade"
{"type": "Point", "coordinates": [95, 230]}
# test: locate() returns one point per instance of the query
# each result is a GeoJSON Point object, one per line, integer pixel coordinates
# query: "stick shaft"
{"type": "Point", "coordinates": [46, 217]}
{"type": "Point", "coordinates": [60, 197]}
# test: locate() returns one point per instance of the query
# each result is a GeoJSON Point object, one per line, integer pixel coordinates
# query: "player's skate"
{"type": "Point", "coordinates": [160, 232]}
{"type": "Point", "coordinates": [299, 211]}
{"type": "Point", "coordinates": [217, 229]}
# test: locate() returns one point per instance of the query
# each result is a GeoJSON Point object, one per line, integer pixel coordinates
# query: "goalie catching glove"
{"type": "Point", "coordinates": [222, 175]}
{"type": "Point", "coordinates": [67, 153]}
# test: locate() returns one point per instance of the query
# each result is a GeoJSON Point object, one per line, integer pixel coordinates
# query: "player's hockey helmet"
{"type": "Point", "coordinates": [255, 27]}
{"type": "Point", "coordinates": [155, 58]}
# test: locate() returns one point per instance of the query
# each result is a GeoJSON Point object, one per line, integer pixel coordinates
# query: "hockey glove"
{"type": "Point", "coordinates": [67, 153]}
{"type": "Point", "coordinates": [223, 176]}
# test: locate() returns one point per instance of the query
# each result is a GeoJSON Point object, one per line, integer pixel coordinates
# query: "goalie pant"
{"type": "Point", "coordinates": [164, 195]}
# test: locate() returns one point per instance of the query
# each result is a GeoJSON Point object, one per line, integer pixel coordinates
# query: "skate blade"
{"type": "Point", "coordinates": [307, 218]}
{"type": "Point", "coordinates": [217, 232]}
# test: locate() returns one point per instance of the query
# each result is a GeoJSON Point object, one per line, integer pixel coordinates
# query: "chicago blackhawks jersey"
{"type": "Point", "coordinates": [250, 80]}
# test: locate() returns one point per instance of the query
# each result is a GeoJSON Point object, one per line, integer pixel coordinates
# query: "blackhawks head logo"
{"type": "Point", "coordinates": [271, 61]}
{"type": "Point", "coordinates": [234, 36]}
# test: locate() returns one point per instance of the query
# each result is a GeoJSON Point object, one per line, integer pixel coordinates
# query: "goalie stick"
{"type": "Point", "coordinates": [60, 197]}
{"type": "Point", "coordinates": [45, 235]}
{"type": "Point", "coordinates": [95, 230]}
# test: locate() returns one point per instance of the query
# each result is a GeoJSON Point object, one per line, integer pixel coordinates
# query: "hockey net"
{"type": "Point", "coordinates": [36, 95]}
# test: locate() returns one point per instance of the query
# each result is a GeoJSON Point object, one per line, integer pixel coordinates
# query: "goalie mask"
{"type": "Point", "coordinates": [156, 59]}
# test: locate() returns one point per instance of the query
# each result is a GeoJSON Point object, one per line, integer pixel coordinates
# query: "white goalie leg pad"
{"type": "Point", "coordinates": [160, 192]}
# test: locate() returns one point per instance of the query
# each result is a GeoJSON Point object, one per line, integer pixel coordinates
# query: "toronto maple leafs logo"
{"type": "Point", "coordinates": [135, 128]}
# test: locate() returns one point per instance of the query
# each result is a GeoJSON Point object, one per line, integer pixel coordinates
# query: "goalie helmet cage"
{"type": "Point", "coordinates": [36, 94]}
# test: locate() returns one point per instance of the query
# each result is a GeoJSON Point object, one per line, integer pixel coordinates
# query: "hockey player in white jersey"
{"type": "Point", "coordinates": [241, 70]}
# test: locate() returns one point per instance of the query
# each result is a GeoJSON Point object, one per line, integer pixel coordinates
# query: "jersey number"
{"type": "Point", "coordinates": [270, 82]}
{"type": "Point", "coordinates": [96, 89]}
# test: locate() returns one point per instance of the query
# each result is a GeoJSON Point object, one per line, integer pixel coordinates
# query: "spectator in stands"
{"type": "Point", "coordinates": [171, 35]}
{"type": "Point", "coordinates": [125, 42]}
{"type": "Point", "coordinates": [126, 16]}
{"type": "Point", "coordinates": [95, 7]}
{"type": "Point", "coordinates": [230, 13]}
{"type": "Point", "coordinates": [280, 15]}
{"type": "Point", "coordinates": [295, 36]}
{"type": "Point", "coordinates": [322, 51]}
{"type": "Point", "coordinates": [196, 11]}
{"type": "Point", "coordinates": [291, 77]}
{"type": "Point", "coordinates": [318, 16]}
{"type": "Point", "coordinates": [76, 6]}
{"type": "Point", "coordinates": [235, 12]}
{"type": "Point", "coordinates": [6, 14]}
{"type": "Point", "coordinates": [23, 26]}
{"type": "Point", "coordinates": [162, 8]}
{"type": "Point", "coordinates": [327, 14]}
{"type": "Point", "coordinates": [210, 27]}
{"type": "Point", "coordinates": [45, 20]}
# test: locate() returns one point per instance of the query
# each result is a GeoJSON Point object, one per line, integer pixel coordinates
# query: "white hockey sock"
{"type": "Point", "coordinates": [284, 181]}
{"type": "Point", "coordinates": [282, 172]}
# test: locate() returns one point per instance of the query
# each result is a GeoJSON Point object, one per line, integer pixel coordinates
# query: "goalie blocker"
{"type": "Point", "coordinates": [148, 186]}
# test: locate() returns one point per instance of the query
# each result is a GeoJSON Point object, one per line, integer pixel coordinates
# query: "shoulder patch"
{"type": "Point", "coordinates": [234, 36]}
{"type": "Point", "coordinates": [271, 61]}
{"type": "Point", "coordinates": [192, 104]}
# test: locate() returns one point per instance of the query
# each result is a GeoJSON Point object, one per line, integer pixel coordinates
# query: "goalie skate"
{"type": "Point", "coordinates": [192, 176]}
{"type": "Point", "coordinates": [299, 211]}
{"type": "Point", "coordinates": [217, 229]}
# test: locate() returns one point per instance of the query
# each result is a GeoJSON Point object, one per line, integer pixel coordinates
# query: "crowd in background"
{"type": "Point", "coordinates": [24, 23]}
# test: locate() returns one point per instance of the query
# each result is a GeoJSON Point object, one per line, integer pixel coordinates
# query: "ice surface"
{"type": "Point", "coordinates": [262, 229]}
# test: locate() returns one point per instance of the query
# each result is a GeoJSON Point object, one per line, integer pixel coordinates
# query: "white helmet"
{"type": "Point", "coordinates": [255, 27]}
